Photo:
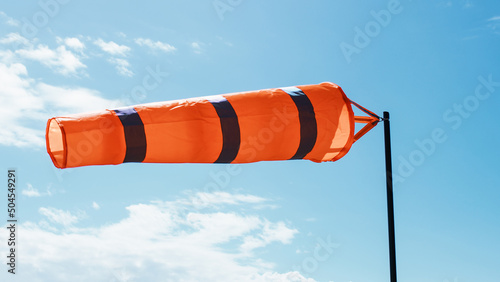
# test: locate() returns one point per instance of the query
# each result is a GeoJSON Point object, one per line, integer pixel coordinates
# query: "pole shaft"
{"type": "Point", "coordinates": [390, 198]}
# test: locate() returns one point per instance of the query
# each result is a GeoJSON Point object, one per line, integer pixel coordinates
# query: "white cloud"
{"type": "Point", "coordinates": [8, 20]}
{"type": "Point", "coordinates": [14, 37]}
{"type": "Point", "coordinates": [158, 45]}
{"type": "Point", "coordinates": [65, 218]}
{"type": "Point", "coordinates": [293, 276]}
{"type": "Point", "coordinates": [67, 100]}
{"type": "Point", "coordinates": [154, 240]}
{"type": "Point", "coordinates": [7, 56]}
{"type": "Point", "coordinates": [203, 199]}
{"type": "Point", "coordinates": [122, 66]}
{"type": "Point", "coordinates": [496, 18]}
{"type": "Point", "coordinates": [197, 47]}
{"type": "Point", "coordinates": [272, 232]}
{"type": "Point", "coordinates": [61, 60]}
{"type": "Point", "coordinates": [72, 42]}
{"type": "Point", "coordinates": [17, 99]}
{"type": "Point", "coordinates": [31, 191]}
{"type": "Point", "coordinates": [27, 104]}
{"type": "Point", "coordinates": [112, 48]}
{"type": "Point", "coordinates": [95, 206]}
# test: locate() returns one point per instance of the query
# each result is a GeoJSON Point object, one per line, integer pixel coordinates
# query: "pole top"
{"type": "Point", "coordinates": [386, 116]}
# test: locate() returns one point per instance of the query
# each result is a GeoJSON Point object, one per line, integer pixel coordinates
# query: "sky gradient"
{"type": "Point", "coordinates": [434, 65]}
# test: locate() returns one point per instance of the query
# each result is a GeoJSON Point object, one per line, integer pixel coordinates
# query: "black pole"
{"type": "Point", "coordinates": [390, 200]}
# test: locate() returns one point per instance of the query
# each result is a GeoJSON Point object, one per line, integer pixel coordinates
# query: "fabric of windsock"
{"type": "Point", "coordinates": [312, 122]}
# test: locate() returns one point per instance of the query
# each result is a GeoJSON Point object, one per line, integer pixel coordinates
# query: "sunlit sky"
{"type": "Point", "coordinates": [434, 65]}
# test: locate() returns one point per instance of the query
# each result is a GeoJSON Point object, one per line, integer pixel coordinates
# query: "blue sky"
{"type": "Point", "coordinates": [432, 64]}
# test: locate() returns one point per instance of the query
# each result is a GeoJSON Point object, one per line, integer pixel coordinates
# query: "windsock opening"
{"type": "Point", "coordinates": [56, 146]}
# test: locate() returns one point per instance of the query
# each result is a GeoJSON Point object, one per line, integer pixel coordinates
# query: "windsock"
{"type": "Point", "coordinates": [311, 122]}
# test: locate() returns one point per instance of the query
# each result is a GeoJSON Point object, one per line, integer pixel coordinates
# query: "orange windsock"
{"type": "Point", "coordinates": [313, 122]}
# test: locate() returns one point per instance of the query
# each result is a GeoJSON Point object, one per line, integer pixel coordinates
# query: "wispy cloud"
{"type": "Point", "coordinates": [64, 218]}
{"type": "Point", "coordinates": [271, 232]}
{"type": "Point", "coordinates": [203, 199]}
{"type": "Point", "coordinates": [121, 34]}
{"type": "Point", "coordinates": [31, 191]}
{"type": "Point", "coordinates": [494, 24]}
{"type": "Point", "coordinates": [116, 51]}
{"type": "Point", "coordinates": [60, 59]}
{"type": "Point", "coordinates": [122, 66]}
{"type": "Point", "coordinates": [155, 240]}
{"type": "Point", "coordinates": [14, 37]}
{"type": "Point", "coordinates": [158, 45]}
{"type": "Point", "coordinates": [112, 48]}
{"type": "Point", "coordinates": [464, 4]}
{"type": "Point", "coordinates": [489, 26]}
{"type": "Point", "coordinates": [197, 47]}
{"type": "Point", "coordinates": [95, 206]}
{"type": "Point", "coordinates": [71, 99]}
{"type": "Point", "coordinates": [8, 20]}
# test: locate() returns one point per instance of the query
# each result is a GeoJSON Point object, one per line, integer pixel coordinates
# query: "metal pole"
{"type": "Point", "coordinates": [390, 200]}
